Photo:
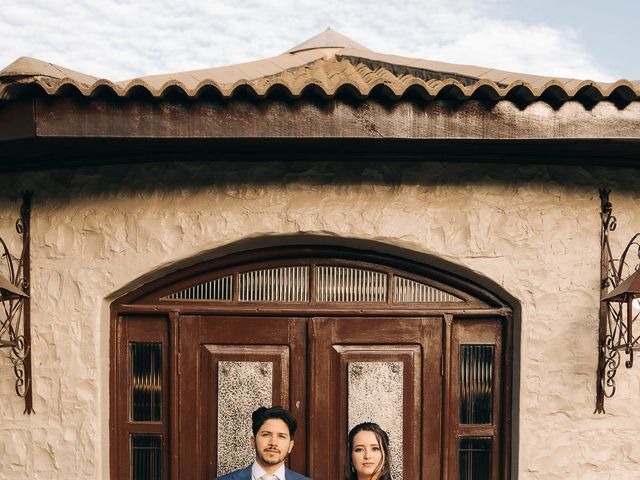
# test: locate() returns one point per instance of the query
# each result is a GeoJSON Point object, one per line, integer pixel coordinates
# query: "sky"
{"type": "Point", "coordinates": [123, 39]}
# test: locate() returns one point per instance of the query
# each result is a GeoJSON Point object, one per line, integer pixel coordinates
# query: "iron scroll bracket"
{"type": "Point", "coordinates": [618, 312]}
{"type": "Point", "coordinates": [15, 317]}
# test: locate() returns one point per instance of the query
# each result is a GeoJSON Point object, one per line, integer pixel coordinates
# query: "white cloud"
{"type": "Point", "coordinates": [123, 39]}
{"type": "Point", "coordinates": [534, 49]}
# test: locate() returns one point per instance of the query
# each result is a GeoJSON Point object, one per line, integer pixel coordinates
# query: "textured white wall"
{"type": "Point", "coordinates": [534, 230]}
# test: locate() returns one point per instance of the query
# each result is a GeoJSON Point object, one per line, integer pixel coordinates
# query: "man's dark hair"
{"type": "Point", "coordinates": [263, 414]}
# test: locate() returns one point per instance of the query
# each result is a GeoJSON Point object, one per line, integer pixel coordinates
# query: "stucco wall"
{"type": "Point", "coordinates": [533, 230]}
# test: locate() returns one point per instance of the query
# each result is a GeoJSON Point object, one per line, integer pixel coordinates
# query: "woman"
{"type": "Point", "coordinates": [368, 455]}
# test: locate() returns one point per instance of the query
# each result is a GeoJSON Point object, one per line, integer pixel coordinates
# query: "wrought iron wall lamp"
{"type": "Point", "coordinates": [15, 316]}
{"type": "Point", "coordinates": [619, 305]}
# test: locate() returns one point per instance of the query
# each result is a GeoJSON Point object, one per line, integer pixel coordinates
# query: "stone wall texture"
{"type": "Point", "coordinates": [97, 231]}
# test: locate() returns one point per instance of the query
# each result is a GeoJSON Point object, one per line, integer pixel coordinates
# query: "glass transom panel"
{"type": "Point", "coordinates": [314, 283]}
{"type": "Point", "coordinates": [283, 284]}
{"type": "Point", "coordinates": [410, 291]}
{"type": "Point", "coordinates": [213, 290]}
{"type": "Point", "coordinates": [344, 284]}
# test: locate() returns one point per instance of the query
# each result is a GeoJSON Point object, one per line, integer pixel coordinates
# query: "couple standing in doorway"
{"type": "Point", "coordinates": [274, 429]}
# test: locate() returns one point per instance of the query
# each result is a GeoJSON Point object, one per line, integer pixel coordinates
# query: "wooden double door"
{"type": "Point", "coordinates": [331, 372]}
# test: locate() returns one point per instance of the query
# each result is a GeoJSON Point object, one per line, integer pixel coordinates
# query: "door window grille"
{"type": "Point", "coordinates": [475, 458]}
{"type": "Point", "coordinates": [476, 384]}
{"type": "Point", "coordinates": [146, 457]}
{"type": "Point", "coordinates": [314, 283]}
{"type": "Point", "coordinates": [406, 290]}
{"type": "Point", "coordinates": [342, 284]}
{"type": "Point", "coordinates": [220, 289]}
{"type": "Point", "coordinates": [146, 382]}
{"type": "Point", "coordinates": [283, 284]}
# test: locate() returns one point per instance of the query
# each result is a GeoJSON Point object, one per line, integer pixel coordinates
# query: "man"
{"type": "Point", "coordinates": [273, 431]}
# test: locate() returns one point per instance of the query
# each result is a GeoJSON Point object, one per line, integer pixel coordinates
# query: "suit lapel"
{"type": "Point", "coordinates": [292, 475]}
{"type": "Point", "coordinates": [245, 474]}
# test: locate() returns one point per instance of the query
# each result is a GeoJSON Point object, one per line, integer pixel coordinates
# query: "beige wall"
{"type": "Point", "coordinates": [533, 230]}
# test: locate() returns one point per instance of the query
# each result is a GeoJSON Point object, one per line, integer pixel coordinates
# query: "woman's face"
{"type": "Point", "coordinates": [367, 455]}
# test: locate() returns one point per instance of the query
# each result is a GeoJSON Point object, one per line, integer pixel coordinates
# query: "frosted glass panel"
{"type": "Point", "coordinates": [284, 284]}
{"type": "Point", "coordinates": [410, 291]}
{"type": "Point", "coordinates": [242, 387]}
{"type": "Point", "coordinates": [376, 395]}
{"type": "Point", "coordinates": [342, 284]}
{"type": "Point", "coordinates": [218, 289]}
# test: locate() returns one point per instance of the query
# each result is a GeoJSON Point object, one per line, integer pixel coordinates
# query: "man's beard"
{"type": "Point", "coordinates": [270, 460]}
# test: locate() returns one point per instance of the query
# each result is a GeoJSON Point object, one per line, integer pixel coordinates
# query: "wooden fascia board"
{"type": "Point", "coordinates": [333, 119]}
{"type": "Point", "coordinates": [17, 120]}
{"type": "Point", "coordinates": [51, 132]}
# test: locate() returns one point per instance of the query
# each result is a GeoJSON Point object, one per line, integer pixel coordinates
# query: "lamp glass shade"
{"type": "Point", "coordinates": [627, 289]}
{"type": "Point", "coordinates": [8, 290]}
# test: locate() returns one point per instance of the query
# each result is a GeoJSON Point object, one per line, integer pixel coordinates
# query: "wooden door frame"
{"type": "Point", "coordinates": [137, 303]}
{"type": "Point", "coordinates": [443, 420]}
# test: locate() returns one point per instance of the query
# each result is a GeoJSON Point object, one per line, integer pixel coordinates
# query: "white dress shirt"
{"type": "Point", "coordinates": [257, 471]}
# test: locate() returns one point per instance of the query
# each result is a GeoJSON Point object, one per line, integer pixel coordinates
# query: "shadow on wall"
{"type": "Point", "coordinates": [198, 176]}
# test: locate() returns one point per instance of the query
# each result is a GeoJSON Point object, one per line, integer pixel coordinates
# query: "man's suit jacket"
{"type": "Point", "coordinates": [245, 474]}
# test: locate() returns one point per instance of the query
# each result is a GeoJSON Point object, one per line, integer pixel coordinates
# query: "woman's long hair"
{"type": "Point", "coordinates": [383, 441]}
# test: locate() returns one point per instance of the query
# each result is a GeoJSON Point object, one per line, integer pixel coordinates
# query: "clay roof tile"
{"type": "Point", "coordinates": [329, 60]}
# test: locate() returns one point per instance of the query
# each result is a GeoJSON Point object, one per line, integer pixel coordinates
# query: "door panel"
{"type": "Point", "coordinates": [229, 367]}
{"type": "Point", "coordinates": [386, 370]}
{"type": "Point", "coordinates": [475, 410]}
{"type": "Point", "coordinates": [382, 383]}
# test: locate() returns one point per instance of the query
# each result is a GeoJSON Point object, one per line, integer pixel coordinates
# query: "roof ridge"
{"type": "Point", "coordinates": [33, 67]}
{"type": "Point", "coordinates": [327, 39]}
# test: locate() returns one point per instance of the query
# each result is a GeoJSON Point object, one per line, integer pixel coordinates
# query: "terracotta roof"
{"type": "Point", "coordinates": [325, 65]}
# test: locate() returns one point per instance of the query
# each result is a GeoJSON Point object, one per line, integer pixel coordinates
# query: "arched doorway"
{"type": "Point", "coordinates": [339, 336]}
